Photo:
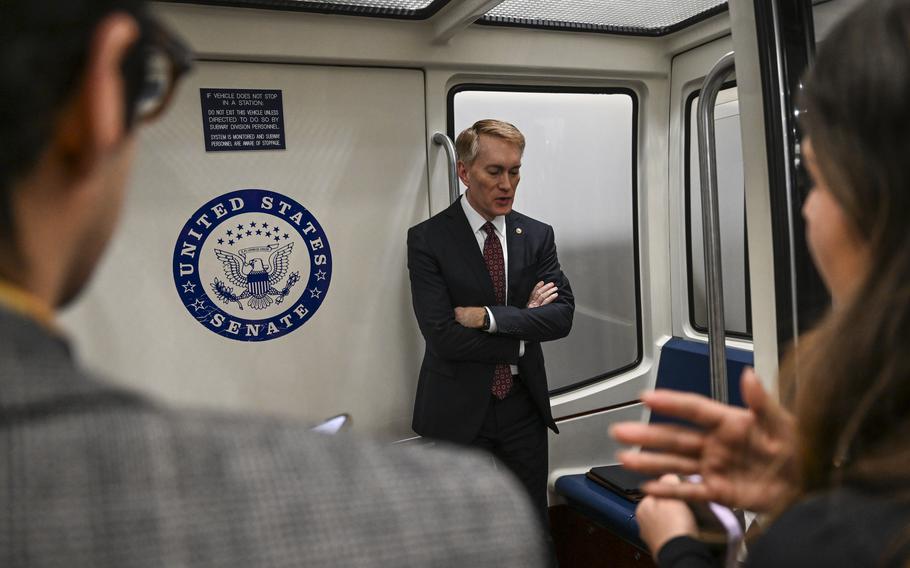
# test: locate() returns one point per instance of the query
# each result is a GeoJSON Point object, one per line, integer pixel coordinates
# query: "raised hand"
{"type": "Point", "coordinates": [744, 456]}
{"type": "Point", "coordinates": [542, 294]}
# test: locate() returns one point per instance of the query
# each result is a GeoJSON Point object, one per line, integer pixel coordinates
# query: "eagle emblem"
{"type": "Point", "coordinates": [257, 270]}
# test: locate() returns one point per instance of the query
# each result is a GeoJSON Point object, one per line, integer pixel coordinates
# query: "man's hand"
{"type": "Point", "coordinates": [471, 318]}
{"type": "Point", "coordinates": [745, 456]}
{"type": "Point", "coordinates": [542, 294]}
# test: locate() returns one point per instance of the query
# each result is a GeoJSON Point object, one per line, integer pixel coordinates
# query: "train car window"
{"type": "Point", "coordinates": [578, 175]}
{"type": "Point", "coordinates": [659, 17]}
{"type": "Point", "coordinates": [402, 9]}
{"type": "Point", "coordinates": [732, 211]}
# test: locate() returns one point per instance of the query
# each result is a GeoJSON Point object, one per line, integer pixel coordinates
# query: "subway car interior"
{"type": "Point", "coordinates": [340, 114]}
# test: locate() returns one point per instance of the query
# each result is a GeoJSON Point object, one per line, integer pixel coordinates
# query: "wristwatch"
{"type": "Point", "coordinates": [486, 320]}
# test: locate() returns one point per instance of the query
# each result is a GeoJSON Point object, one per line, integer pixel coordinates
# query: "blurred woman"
{"type": "Point", "coordinates": [835, 474]}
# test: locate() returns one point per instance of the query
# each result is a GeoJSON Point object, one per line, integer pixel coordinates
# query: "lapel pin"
{"type": "Point", "coordinates": [518, 230]}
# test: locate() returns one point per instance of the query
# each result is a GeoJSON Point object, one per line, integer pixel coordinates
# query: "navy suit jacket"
{"type": "Point", "coordinates": [447, 270]}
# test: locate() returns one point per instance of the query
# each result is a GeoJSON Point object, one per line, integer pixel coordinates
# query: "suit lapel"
{"type": "Point", "coordinates": [515, 240]}
{"type": "Point", "coordinates": [466, 243]}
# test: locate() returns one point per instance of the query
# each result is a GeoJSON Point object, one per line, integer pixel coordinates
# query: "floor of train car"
{"type": "Point", "coordinates": [582, 543]}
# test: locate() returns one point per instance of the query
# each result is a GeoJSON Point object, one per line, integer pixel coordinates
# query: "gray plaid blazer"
{"type": "Point", "coordinates": [93, 475]}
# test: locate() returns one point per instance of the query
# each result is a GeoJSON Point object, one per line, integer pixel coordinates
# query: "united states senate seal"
{"type": "Point", "coordinates": [252, 265]}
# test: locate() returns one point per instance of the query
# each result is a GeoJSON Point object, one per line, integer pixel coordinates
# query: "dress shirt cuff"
{"type": "Point", "coordinates": [492, 328]}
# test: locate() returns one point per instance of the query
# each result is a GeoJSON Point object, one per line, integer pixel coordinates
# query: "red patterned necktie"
{"type": "Point", "coordinates": [492, 256]}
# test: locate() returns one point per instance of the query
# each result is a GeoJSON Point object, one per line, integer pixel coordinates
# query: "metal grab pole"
{"type": "Point", "coordinates": [442, 140]}
{"type": "Point", "coordinates": [707, 165]}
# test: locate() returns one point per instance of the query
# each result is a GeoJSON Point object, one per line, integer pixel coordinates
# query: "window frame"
{"type": "Point", "coordinates": [687, 213]}
{"type": "Point", "coordinates": [322, 8]}
{"type": "Point", "coordinates": [636, 249]}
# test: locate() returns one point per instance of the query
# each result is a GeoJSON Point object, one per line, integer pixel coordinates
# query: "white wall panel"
{"type": "Point", "coordinates": [592, 445]}
{"type": "Point", "coordinates": [356, 158]}
{"type": "Point", "coordinates": [755, 176]}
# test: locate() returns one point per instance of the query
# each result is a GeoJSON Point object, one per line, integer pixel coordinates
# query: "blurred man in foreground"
{"type": "Point", "coordinates": [97, 476]}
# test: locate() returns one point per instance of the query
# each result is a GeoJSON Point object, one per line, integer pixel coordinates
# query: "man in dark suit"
{"type": "Point", "coordinates": [487, 290]}
{"type": "Point", "coordinates": [97, 476]}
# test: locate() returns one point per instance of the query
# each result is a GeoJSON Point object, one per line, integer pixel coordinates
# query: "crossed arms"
{"type": "Point", "coordinates": [547, 316]}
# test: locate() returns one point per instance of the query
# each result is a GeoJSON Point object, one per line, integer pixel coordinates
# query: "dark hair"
{"type": "Point", "coordinates": [853, 394]}
{"type": "Point", "coordinates": [43, 48]}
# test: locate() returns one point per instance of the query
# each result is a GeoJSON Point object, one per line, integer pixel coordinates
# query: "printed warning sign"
{"type": "Point", "coordinates": [242, 119]}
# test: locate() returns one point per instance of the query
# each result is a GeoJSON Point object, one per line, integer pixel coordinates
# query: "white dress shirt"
{"type": "Point", "coordinates": [476, 221]}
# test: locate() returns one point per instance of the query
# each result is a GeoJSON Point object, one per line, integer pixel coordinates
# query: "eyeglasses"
{"type": "Point", "coordinates": [156, 65]}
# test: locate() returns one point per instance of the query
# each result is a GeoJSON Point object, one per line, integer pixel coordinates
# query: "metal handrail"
{"type": "Point", "coordinates": [441, 139]}
{"type": "Point", "coordinates": [707, 164]}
